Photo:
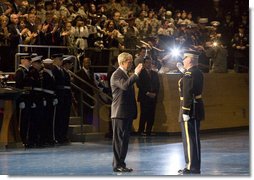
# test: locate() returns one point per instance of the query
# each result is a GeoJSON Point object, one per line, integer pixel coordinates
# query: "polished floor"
{"type": "Point", "coordinates": [223, 154]}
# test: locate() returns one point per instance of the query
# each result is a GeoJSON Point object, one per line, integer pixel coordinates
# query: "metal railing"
{"type": "Point", "coordinates": [92, 106]}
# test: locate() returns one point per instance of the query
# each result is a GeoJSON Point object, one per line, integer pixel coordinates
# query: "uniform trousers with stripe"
{"type": "Point", "coordinates": [191, 144]}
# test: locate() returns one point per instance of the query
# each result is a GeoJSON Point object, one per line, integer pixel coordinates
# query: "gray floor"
{"type": "Point", "coordinates": [223, 154]}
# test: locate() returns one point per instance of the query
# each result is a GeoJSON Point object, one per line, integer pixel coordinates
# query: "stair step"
{"type": "Point", "coordinates": [87, 137]}
{"type": "Point", "coordinates": [75, 120]}
{"type": "Point", "coordinates": [76, 129]}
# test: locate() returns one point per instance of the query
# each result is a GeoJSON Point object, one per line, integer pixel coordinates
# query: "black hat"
{"type": "Point", "coordinates": [60, 56]}
{"type": "Point", "coordinates": [27, 57]}
{"type": "Point", "coordinates": [68, 59]}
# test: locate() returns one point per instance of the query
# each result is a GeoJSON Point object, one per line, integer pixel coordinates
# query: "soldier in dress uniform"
{"type": "Point", "coordinates": [191, 112]}
{"type": "Point", "coordinates": [59, 80]}
{"type": "Point", "coordinates": [67, 98]}
{"type": "Point", "coordinates": [49, 89]}
{"type": "Point", "coordinates": [37, 96]}
{"type": "Point", "coordinates": [24, 102]}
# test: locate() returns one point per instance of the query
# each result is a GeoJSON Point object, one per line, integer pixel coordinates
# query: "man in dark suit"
{"type": "Point", "coordinates": [123, 109]}
{"type": "Point", "coordinates": [15, 39]}
{"type": "Point", "coordinates": [87, 75]}
{"type": "Point", "coordinates": [149, 86]}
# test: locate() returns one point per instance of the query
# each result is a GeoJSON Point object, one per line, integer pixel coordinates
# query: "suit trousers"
{"type": "Point", "coordinates": [121, 135]}
{"type": "Point", "coordinates": [191, 143]}
{"type": "Point", "coordinates": [146, 117]}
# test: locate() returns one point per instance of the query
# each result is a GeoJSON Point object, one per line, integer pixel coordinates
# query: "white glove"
{"type": "Point", "coordinates": [180, 67]}
{"type": "Point", "coordinates": [186, 117]}
{"type": "Point", "coordinates": [22, 105]}
{"type": "Point", "coordinates": [44, 103]}
{"type": "Point", "coordinates": [55, 102]}
{"type": "Point", "coordinates": [33, 105]}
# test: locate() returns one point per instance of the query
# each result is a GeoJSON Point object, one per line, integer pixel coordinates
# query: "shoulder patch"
{"type": "Point", "coordinates": [187, 74]}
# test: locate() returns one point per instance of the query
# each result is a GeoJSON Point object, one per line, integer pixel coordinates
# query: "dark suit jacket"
{"type": "Point", "coordinates": [14, 37]}
{"type": "Point", "coordinates": [124, 103]}
{"type": "Point", "coordinates": [148, 84]}
{"type": "Point", "coordinates": [81, 73]}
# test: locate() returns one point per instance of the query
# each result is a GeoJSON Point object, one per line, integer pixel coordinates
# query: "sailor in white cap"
{"type": "Point", "coordinates": [66, 109]}
{"type": "Point", "coordinates": [36, 59]}
{"type": "Point", "coordinates": [23, 81]}
{"type": "Point", "coordinates": [49, 88]}
{"type": "Point", "coordinates": [47, 61]}
{"type": "Point", "coordinates": [36, 97]}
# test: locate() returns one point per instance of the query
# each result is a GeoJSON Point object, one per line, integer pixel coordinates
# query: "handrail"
{"type": "Point", "coordinates": [93, 87]}
{"type": "Point", "coordinates": [86, 93]}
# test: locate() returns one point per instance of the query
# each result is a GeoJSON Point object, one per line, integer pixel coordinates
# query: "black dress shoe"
{"type": "Point", "coordinates": [187, 171]}
{"type": "Point", "coordinates": [122, 169]}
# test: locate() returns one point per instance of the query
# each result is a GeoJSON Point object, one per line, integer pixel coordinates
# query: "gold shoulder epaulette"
{"type": "Point", "coordinates": [187, 73]}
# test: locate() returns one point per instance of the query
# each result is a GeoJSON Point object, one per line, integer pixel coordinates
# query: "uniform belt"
{"type": "Point", "coordinates": [63, 87]}
{"type": "Point", "coordinates": [28, 88]}
{"type": "Point", "coordinates": [196, 97]}
{"type": "Point", "coordinates": [48, 91]}
{"type": "Point", "coordinates": [37, 89]}
{"type": "Point", "coordinates": [67, 87]}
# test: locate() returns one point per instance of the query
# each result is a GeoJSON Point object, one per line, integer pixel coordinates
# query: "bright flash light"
{"type": "Point", "coordinates": [175, 52]}
{"type": "Point", "coordinates": [215, 43]}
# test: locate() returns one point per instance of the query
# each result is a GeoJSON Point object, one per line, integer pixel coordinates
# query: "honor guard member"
{"type": "Point", "coordinates": [49, 88]}
{"type": "Point", "coordinates": [37, 95]}
{"type": "Point", "coordinates": [191, 112]}
{"type": "Point", "coordinates": [59, 80]}
{"type": "Point", "coordinates": [24, 102]}
{"type": "Point", "coordinates": [67, 65]}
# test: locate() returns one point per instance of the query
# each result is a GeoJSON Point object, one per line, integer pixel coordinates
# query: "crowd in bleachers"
{"type": "Point", "coordinates": [122, 24]}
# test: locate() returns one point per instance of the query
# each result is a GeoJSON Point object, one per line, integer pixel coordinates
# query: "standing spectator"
{"type": "Point", "coordinates": [149, 86]}
{"type": "Point", "coordinates": [118, 23]}
{"type": "Point", "coordinates": [142, 24]}
{"type": "Point", "coordinates": [153, 24]}
{"type": "Point", "coordinates": [112, 37]}
{"type": "Point", "coordinates": [40, 11]}
{"type": "Point", "coordinates": [5, 7]}
{"type": "Point", "coordinates": [140, 57]}
{"type": "Point", "coordinates": [87, 75]}
{"type": "Point", "coordinates": [31, 22]}
{"type": "Point", "coordinates": [191, 113]}
{"type": "Point", "coordinates": [81, 33]}
{"type": "Point", "coordinates": [240, 45]}
{"type": "Point", "coordinates": [123, 109]}
{"type": "Point", "coordinates": [112, 6]}
{"type": "Point", "coordinates": [124, 9]}
{"type": "Point", "coordinates": [15, 39]}
{"type": "Point", "coordinates": [131, 34]}
{"type": "Point", "coordinates": [4, 43]}
{"type": "Point", "coordinates": [67, 35]}
{"type": "Point", "coordinates": [218, 54]}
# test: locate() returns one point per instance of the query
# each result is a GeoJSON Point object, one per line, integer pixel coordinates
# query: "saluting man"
{"type": "Point", "coordinates": [191, 112]}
